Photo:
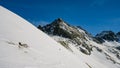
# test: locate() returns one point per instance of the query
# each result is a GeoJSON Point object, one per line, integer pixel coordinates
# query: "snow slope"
{"type": "Point", "coordinates": [102, 55]}
{"type": "Point", "coordinates": [42, 51]}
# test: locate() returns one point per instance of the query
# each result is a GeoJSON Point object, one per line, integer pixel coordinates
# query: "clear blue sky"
{"type": "Point", "coordinates": [93, 15]}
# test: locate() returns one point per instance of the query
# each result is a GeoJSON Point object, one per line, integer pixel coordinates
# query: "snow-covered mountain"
{"type": "Point", "coordinates": [74, 35]}
{"type": "Point", "coordinates": [79, 42]}
{"type": "Point", "coordinates": [107, 35]}
{"type": "Point", "coordinates": [24, 46]}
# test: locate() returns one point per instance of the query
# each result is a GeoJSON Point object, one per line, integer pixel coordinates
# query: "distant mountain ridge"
{"type": "Point", "coordinates": [108, 35]}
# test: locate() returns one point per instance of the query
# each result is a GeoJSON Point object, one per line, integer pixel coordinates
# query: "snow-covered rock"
{"type": "Point", "coordinates": [76, 35]}
{"type": "Point", "coordinates": [106, 35]}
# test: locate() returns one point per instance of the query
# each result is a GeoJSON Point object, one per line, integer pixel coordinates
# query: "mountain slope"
{"type": "Point", "coordinates": [24, 46]}
{"type": "Point", "coordinates": [102, 54]}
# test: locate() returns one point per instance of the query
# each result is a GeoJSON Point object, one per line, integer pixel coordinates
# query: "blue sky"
{"type": "Point", "coordinates": [93, 15]}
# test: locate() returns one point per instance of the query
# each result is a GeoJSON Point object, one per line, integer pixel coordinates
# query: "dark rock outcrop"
{"type": "Point", "coordinates": [106, 35]}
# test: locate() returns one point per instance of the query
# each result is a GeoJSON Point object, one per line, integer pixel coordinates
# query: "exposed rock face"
{"type": "Point", "coordinates": [76, 35]}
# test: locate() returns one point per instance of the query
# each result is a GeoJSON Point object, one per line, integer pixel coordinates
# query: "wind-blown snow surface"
{"type": "Point", "coordinates": [42, 51]}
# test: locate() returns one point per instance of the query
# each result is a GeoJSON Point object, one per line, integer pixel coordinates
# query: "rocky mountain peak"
{"type": "Point", "coordinates": [60, 23]}
{"type": "Point", "coordinates": [61, 28]}
{"type": "Point", "coordinates": [59, 20]}
{"type": "Point", "coordinates": [75, 34]}
{"type": "Point", "coordinates": [106, 35]}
